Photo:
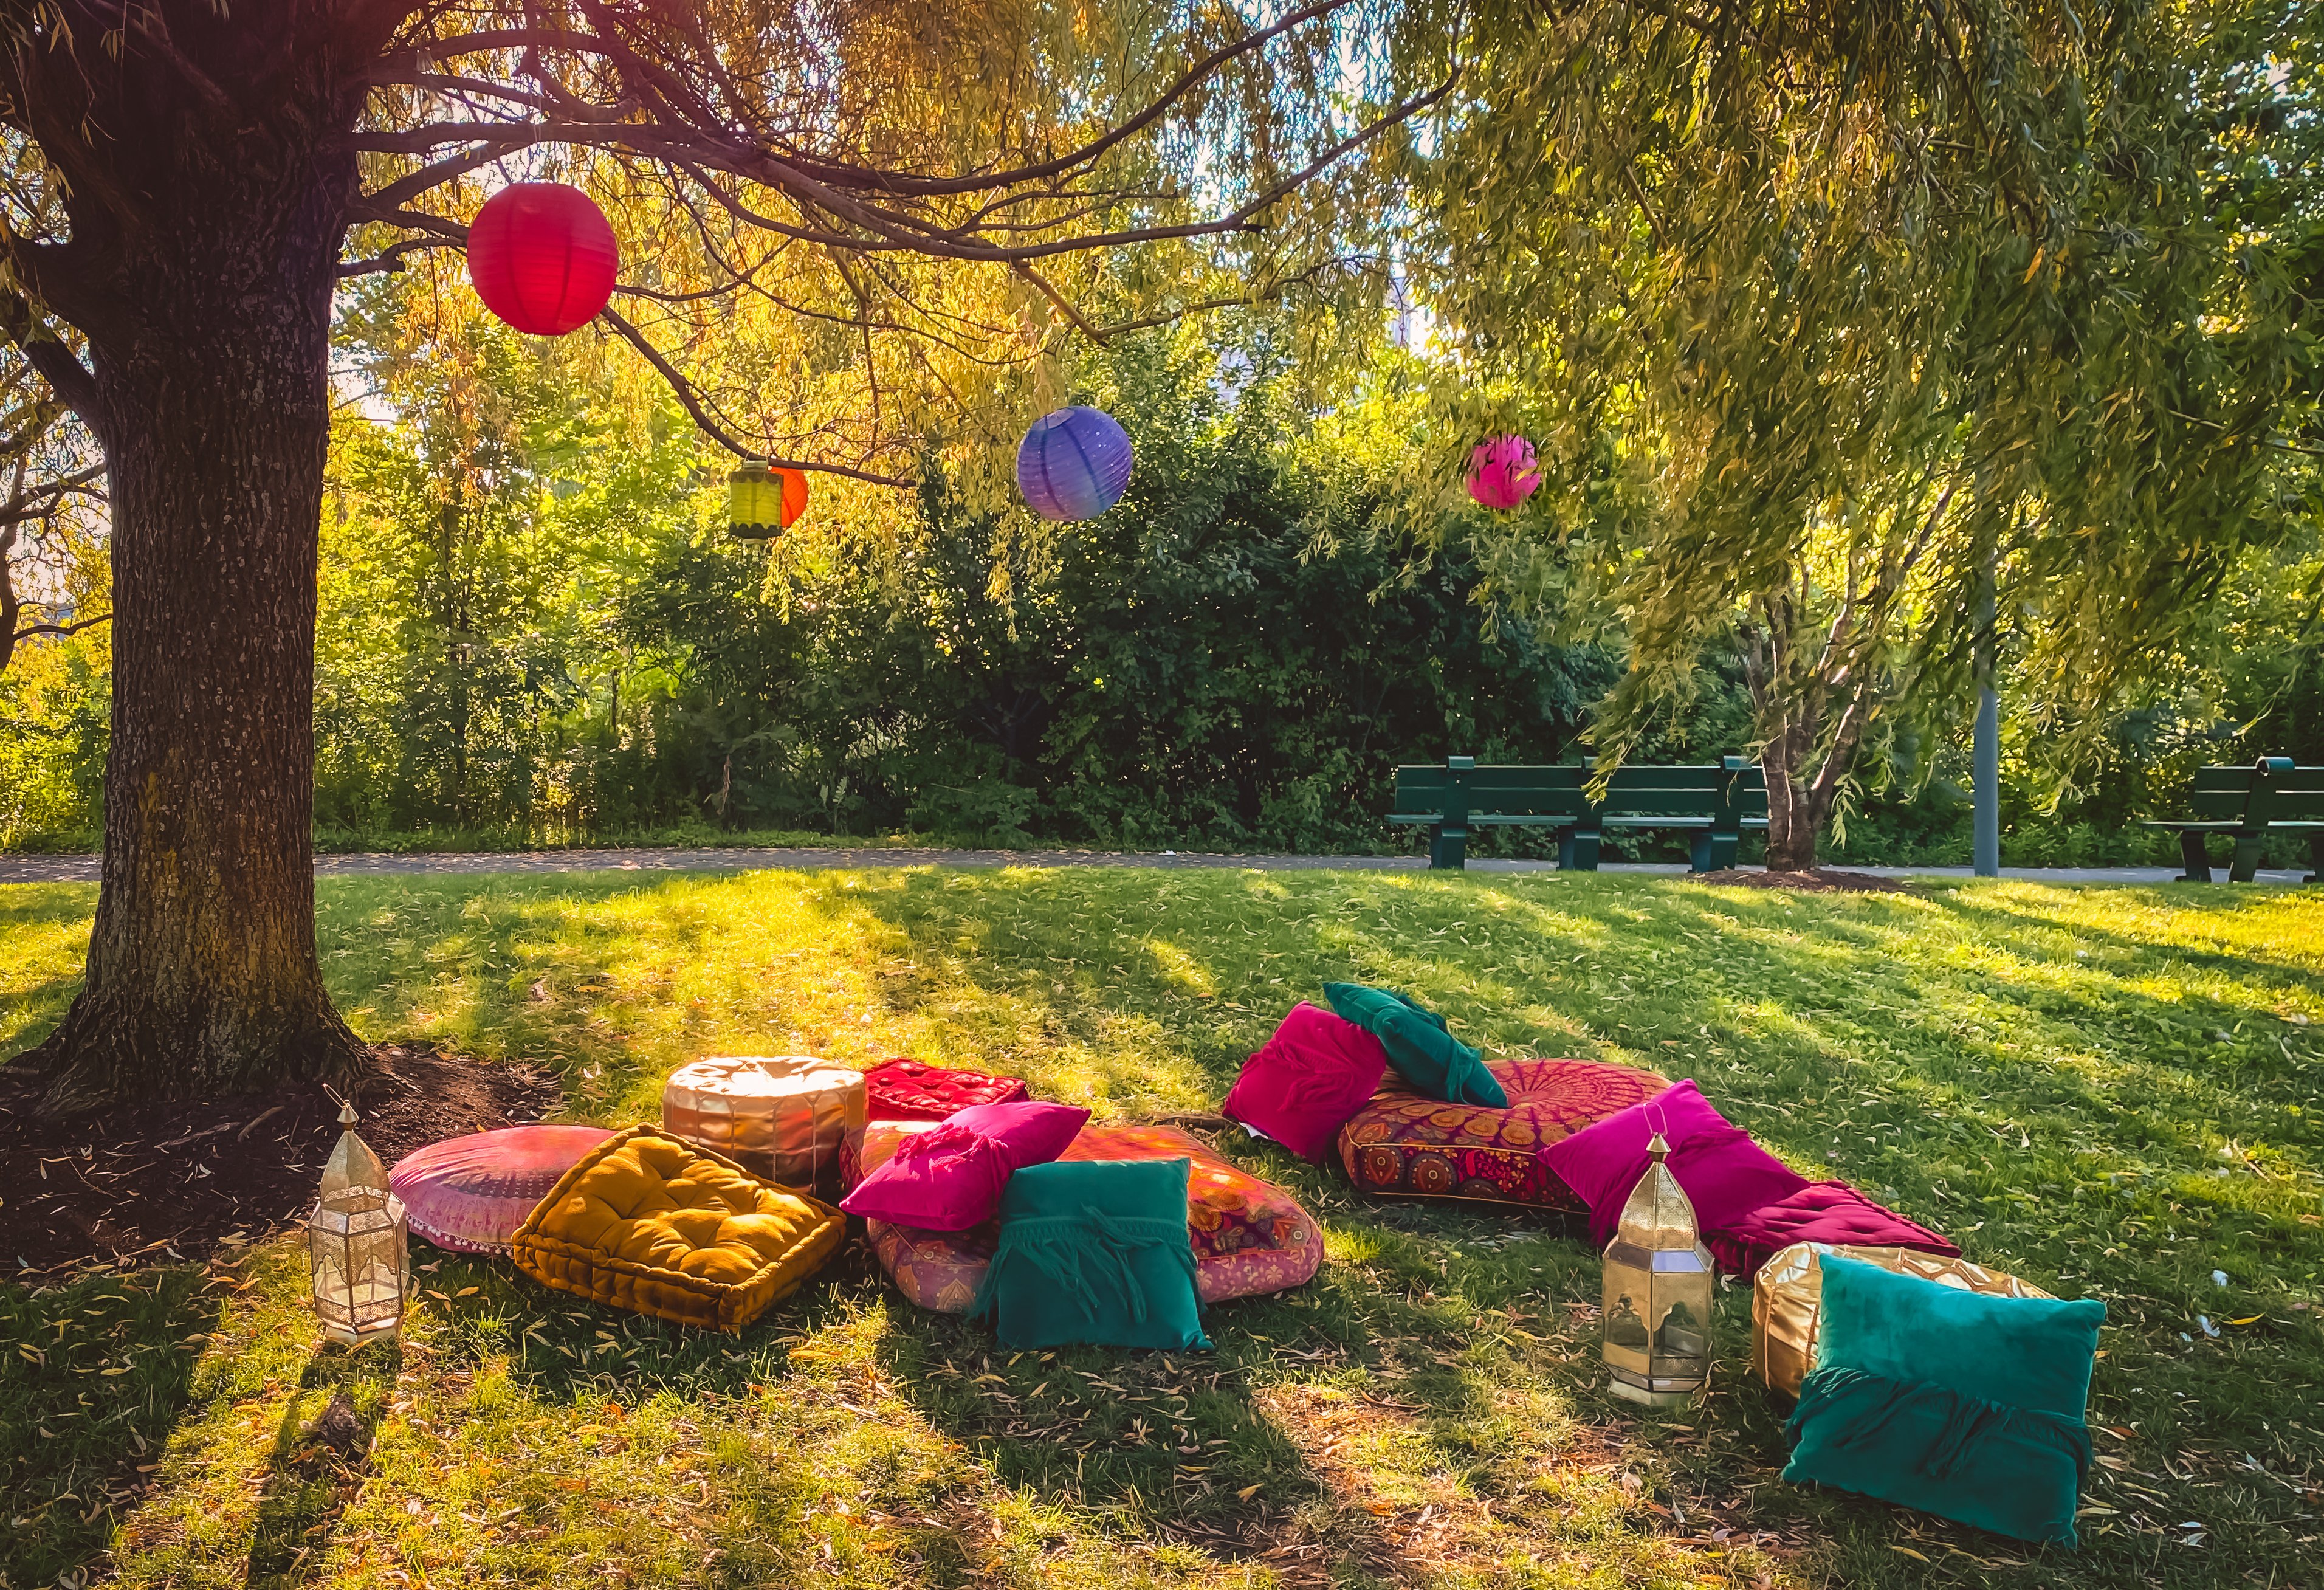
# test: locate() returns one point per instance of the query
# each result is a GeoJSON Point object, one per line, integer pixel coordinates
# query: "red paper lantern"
{"type": "Point", "coordinates": [542, 257]}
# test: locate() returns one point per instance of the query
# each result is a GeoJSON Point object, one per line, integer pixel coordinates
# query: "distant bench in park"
{"type": "Point", "coordinates": [2272, 796]}
{"type": "Point", "coordinates": [1714, 802]}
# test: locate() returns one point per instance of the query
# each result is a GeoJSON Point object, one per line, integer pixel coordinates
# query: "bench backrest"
{"type": "Point", "coordinates": [1732, 788]}
{"type": "Point", "coordinates": [1500, 792]}
{"type": "Point", "coordinates": [2286, 793]}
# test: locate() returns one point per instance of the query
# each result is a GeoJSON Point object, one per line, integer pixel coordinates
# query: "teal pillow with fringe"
{"type": "Point", "coordinates": [1959, 1403]}
{"type": "Point", "coordinates": [1094, 1251]}
{"type": "Point", "coordinates": [1423, 1052]}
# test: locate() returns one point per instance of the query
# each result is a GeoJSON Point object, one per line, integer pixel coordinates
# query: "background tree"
{"type": "Point", "coordinates": [194, 176]}
{"type": "Point", "coordinates": [1820, 329]}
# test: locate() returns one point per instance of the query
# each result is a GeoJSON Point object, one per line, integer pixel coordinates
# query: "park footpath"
{"type": "Point", "coordinates": [85, 869]}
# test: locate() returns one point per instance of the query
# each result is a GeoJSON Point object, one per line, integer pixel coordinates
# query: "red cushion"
{"type": "Point", "coordinates": [1724, 1174]}
{"type": "Point", "coordinates": [1820, 1212]}
{"type": "Point", "coordinates": [907, 1090]}
{"type": "Point", "coordinates": [1403, 1143]}
{"type": "Point", "coordinates": [470, 1194]}
{"type": "Point", "coordinates": [950, 1179]}
{"type": "Point", "coordinates": [1315, 1072]}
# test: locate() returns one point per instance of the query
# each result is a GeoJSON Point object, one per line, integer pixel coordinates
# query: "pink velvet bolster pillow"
{"type": "Point", "coordinates": [1723, 1172]}
{"type": "Point", "coordinates": [1821, 1212]}
{"type": "Point", "coordinates": [470, 1194]}
{"type": "Point", "coordinates": [1301, 1088]}
{"type": "Point", "coordinates": [950, 1178]}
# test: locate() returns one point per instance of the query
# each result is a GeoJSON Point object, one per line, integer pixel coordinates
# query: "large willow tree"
{"type": "Point", "coordinates": [1825, 316]}
{"type": "Point", "coordinates": [960, 178]}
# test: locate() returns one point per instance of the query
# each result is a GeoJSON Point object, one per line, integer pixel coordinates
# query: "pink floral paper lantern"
{"type": "Point", "coordinates": [1503, 472]}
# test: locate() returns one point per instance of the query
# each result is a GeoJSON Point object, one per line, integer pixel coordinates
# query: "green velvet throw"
{"type": "Point", "coordinates": [1418, 1045]}
{"type": "Point", "coordinates": [1956, 1403]}
{"type": "Point", "coordinates": [1095, 1251]}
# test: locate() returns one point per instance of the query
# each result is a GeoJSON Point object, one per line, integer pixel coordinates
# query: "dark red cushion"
{"type": "Point", "coordinates": [1315, 1072]}
{"type": "Point", "coordinates": [907, 1090]}
{"type": "Point", "coordinates": [1820, 1212]}
{"type": "Point", "coordinates": [1724, 1174]}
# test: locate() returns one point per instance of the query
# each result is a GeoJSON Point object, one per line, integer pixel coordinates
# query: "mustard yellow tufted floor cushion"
{"type": "Point", "coordinates": [647, 1223]}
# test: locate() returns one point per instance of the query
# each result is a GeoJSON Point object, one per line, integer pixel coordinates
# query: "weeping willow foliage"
{"type": "Point", "coordinates": [860, 235]}
{"type": "Point", "coordinates": [1819, 312]}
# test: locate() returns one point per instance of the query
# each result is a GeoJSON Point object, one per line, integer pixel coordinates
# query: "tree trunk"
{"type": "Point", "coordinates": [211, 398]}
{"type": "Point", "coordinates": [1793, 823]}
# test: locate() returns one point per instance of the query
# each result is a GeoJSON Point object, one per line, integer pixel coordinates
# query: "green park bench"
{"type": "Point", "coordinates": [1715, 802]}
{"type": "Point", "coordinates": [2272, 796]}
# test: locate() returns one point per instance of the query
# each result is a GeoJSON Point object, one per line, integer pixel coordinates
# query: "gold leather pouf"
{"type": "Point", "coordinates": [784, 1117]}
{"type": "Point", "coordinates": [1787, 1301]}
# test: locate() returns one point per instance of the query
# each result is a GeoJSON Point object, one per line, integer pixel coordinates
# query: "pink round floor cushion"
{"type": "Point", "coordinates": [469, 1194]}
{"type": "Point", "coordinates": [1249, 1235]}
{"type": "Point", "coordinates": [1316, 1072]}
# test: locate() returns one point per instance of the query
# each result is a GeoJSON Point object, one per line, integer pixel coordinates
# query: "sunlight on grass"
{"type": "Point", "coordinates": [2112, 1092]}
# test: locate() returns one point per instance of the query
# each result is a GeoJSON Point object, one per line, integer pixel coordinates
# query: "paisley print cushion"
{"type": "Point", "coordinates": [1404, 1142]}
{"type": "Point", "coordinates": [1249, 1235]}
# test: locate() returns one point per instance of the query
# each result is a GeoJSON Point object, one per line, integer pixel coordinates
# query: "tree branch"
{"type": "Point", "coordinates": [691, 397]}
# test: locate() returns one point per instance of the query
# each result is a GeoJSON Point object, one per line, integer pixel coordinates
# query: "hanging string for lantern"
{"type": "Point", "coordinates": [763, 500]}
{"type": "Point", "coordinates": [1503, 472]}
{"type": "Point", "coordinates": [542, 257]}
{"type": "Point", "coordinates": [1073, 464]}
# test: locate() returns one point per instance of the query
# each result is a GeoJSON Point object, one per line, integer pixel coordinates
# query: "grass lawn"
{"type": "Point", "coordinates": [2111, 1091]}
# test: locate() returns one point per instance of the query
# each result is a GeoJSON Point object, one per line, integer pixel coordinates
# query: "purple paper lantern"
{"type": "Point", "coordinates": [1502, 472]}
{"type": "Point", "coordinates": [1073, 464]}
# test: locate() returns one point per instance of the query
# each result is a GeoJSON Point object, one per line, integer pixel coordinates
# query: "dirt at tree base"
{"type": "Point", "coordinates": [1815, 881]}
{"type": "Point", "coordinates": [159, 1183]}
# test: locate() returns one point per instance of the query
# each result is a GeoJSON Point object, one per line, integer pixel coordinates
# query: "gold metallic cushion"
{"type": "Point", "coordinates": [1786, 1300]}
{"type": "Point", "coordinates": [647, 1223]}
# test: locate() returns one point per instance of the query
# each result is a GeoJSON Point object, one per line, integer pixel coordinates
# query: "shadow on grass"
{"type": "Point", "coordinates": [97, 1374]}
{"type": "Point", "coordinates": [320, 1458]}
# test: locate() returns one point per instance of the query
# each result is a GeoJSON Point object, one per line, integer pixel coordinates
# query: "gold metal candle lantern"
{"type": "Point", "coordinates": [356, 1247]}
{"type": "Point", "coordinates": [1658, 1293]}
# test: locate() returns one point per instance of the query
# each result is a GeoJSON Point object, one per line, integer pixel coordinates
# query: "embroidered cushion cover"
{"type": "Point", "coordinates": [1248, 1236]}
{"type": "Point", "coordinates": [1418, 1044]}
{"type": "Point", "coordinates": [951, 1177]}
{"type": "Point", "coordinates": [470, 1194]}
{"type": "Point", "coordinates": [647, 1222]}
{"type": "Point", "coordinates": [1094, 1251]}
{"type": "Point", "coordinates": [1316, 1072]}
{"type": "Point", "coordinates": [1959, 1403]}
{"type": "Point", "coordinates": [1724, 1174]}
{"type": "Point", "coordinates": [1402, 1142]}
{"type": "Point", "coordinates": [908, 1090]}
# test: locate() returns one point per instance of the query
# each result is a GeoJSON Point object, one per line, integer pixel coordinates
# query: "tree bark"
{"type": "Point", "coordinates": [209, 359]}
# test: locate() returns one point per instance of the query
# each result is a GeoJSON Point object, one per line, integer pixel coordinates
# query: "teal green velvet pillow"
{"type": "Point", "coordinates": [1967, 1406]}
{"type": "Point", "coordinates": [1418, 1046]}
{"type": "Point", "coordinates": [1097, 1252]}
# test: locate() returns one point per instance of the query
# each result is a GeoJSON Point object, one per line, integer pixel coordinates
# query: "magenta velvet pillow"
{"type": "Point", "coordinates": [950, 1177]}
{"type": "Point", "coordinates": [1316, 1072]}
{"type": "Point", "coordinates": [1034, 1131]}
{"type": "Point", "coordinates": [1724, 1173]}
